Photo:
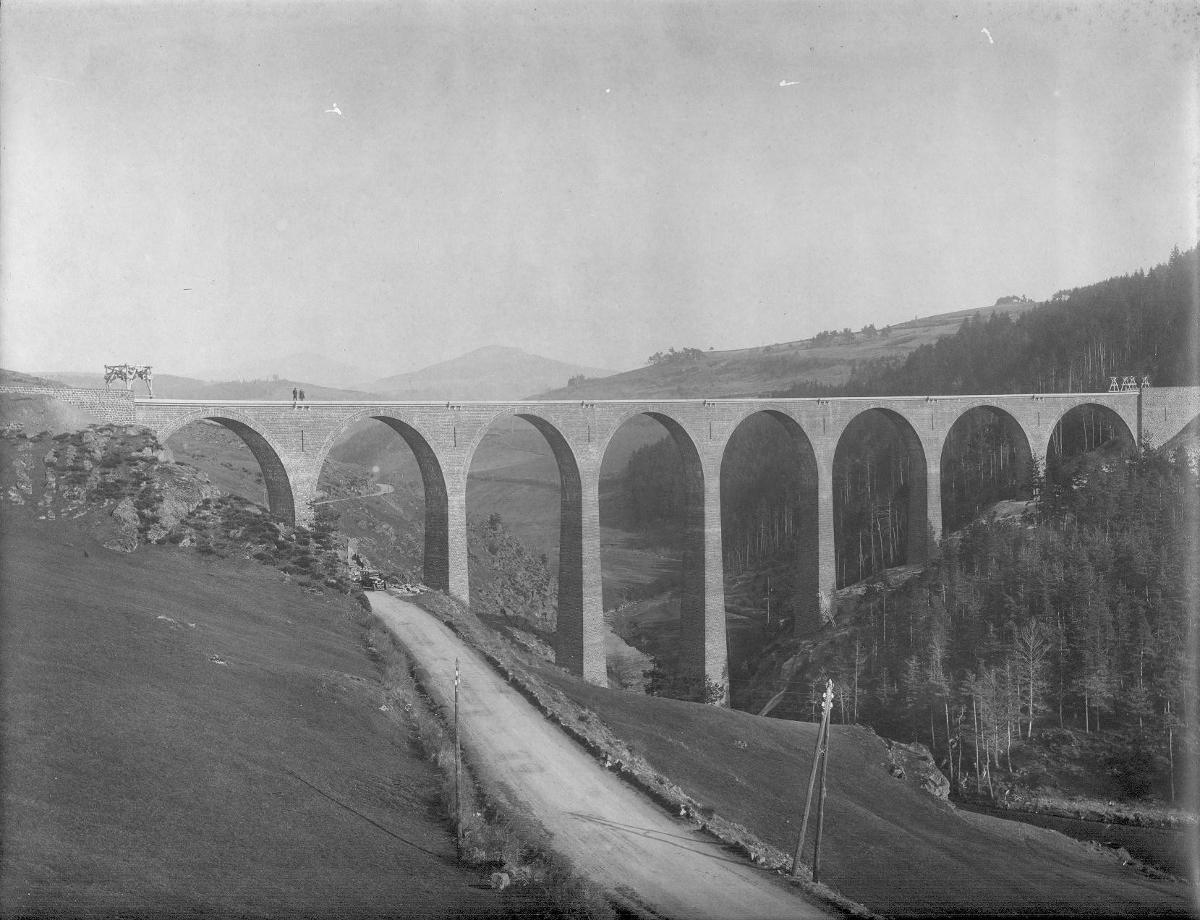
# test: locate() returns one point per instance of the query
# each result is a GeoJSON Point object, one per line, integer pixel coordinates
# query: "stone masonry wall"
{"type": "Point", "coordinates": [445, 435]}
{"type": "Point", "coordinates": [115, 406]}
{"type": "Point", "coordinates": [1166, 411]}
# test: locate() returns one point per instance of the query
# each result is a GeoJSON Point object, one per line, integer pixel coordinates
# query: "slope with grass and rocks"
{"type": "Point", "coordinates": [193, 733]}
{"type": "Point", "coordinates": [157, 641]}
{"type": "Point", "coordinates": [893, 843]}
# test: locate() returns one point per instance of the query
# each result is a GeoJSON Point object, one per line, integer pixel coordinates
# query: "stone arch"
{"type": "Point", "coordinates": [1021, 455]}
{"type": "Point", "coordinates": [804, 607]}
{"type": "Point", "coordinates": [697, 656]}
{"type": "Point", "coordinates": [436, 565]}
{"type": "Point", "coordinates": [1109, 418]}
{"type": "Point", "coordinates": [917, 541]}
{"type": "Point", "coordinates": [574, 613]}
{"type": "Point", "coordinates": [280, 497]}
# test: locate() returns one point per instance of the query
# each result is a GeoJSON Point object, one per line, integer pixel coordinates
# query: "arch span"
{"type": "Point", "coordinates": [436, 563]}
{"type": "Point", "coordinates": [579, 623]}
{"type": "Point", "coordinates": [702, 645]}
{"type": "Point", "coordinates": [986, 456]}
{"type": "Point", "coordinates": [1086, 427]}
{"type": "Point", "coordinates": [769, 494]}
{"type": "Point", "coordinates": [280, 497]}
{"type": "Point", "coordinates": [906, 477]}
{"type": "Point", "coordinates": [579, 619]}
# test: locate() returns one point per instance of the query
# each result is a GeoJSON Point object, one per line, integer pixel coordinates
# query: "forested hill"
{"type": "Point", "coordinates": [1147, 323]}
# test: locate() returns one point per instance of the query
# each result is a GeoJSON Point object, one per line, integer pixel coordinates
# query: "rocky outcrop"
{"type": "Point", "coordinates": [181, 492]}
{"type": "Point", "coordinates": [125, 519]}
{"type": "Point", "coordinates": [119, 481]}
{"type": "Point", "coordinates": [914, 763]}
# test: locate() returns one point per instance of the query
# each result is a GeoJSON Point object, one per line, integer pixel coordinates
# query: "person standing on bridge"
{"type": "Point", "coordinates": [295, 396]}
{"type": "Point", "coordinates": [302, 398]}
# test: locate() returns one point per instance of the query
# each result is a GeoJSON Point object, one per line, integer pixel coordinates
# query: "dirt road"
{"type": "Point", "coordinates": [612, 834]}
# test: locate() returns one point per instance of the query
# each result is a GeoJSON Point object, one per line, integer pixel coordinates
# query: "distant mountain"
{"type": "Point", "coordinates": [492, 372]}
{"type": "Point", "coordinates": [317, 369]}
{"type": "Point", "coordinates": [827, 359]}
{"type": "Point", "coordinates": [17, 379]}
{"type": "Point", "coordinates": [167, 386]}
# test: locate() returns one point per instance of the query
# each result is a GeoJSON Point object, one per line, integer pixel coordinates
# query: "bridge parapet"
{"type": "Point", "coordinates": [116, 406]}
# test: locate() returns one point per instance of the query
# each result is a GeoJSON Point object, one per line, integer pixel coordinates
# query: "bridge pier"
{"type": "Point", "coordinates": [820, 609]}
{"type": "Point", "coordinates": [458, 583]}
{"type": "Point", "coordinates": [703, 639]}
{"type": "Point", "coordinates": [579, 635]}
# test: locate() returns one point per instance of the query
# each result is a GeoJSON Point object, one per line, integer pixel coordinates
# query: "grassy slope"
{"type": "Point", "coordinates": [769, 368]}
{"type": "Point", "coordinates": [142, 777]}
{"type": "Point", "coordinates": [887, 844]}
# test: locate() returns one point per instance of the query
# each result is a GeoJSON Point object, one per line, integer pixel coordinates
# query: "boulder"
{"type": "Point", "coordinates": [125, 520]}
{"type": "Point", "coordinates": [914, 763]}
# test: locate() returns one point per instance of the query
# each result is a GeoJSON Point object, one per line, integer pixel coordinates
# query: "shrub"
{"type": "Point", "coordinates": [1133, 771]}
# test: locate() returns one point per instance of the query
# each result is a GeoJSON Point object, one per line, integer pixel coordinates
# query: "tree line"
{"type": "Point", "coordinates": [1075, 616]}
{"type": "Point", "coordinates": [1144, 323]}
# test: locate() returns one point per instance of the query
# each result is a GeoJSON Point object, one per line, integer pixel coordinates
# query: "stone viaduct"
{"type": "Point", "coordinates": [291, 445]}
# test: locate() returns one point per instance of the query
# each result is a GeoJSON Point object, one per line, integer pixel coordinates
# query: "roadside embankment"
{"type": "Point", "coordinates": [647, 860]}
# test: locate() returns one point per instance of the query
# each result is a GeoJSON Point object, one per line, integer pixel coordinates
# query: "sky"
{"type": "Point", "coordinates": [207, 187]}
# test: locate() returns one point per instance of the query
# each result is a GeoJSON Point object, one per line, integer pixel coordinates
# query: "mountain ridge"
{"type": "Point", "coordinates": [490, 372]}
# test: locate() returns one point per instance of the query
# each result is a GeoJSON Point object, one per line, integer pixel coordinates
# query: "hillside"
{"type": "Point", "coordinates": [190, 735]}
{"type": "Point", "coordinates": [491, 372]}
{"type": "Point", "coordinates": [827, 359]}
{"type": "Point", "coordinates": [1145, 323]}
{"type": "Point", "coordinates": [891, 841]}
{"type": "Point", "coordinates": [324, 370]}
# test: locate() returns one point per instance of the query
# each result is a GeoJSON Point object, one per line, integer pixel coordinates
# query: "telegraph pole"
{"type": "Point", "coordinates": [457, 769]}
{"type": "Point", "coordinates": [820, 758]}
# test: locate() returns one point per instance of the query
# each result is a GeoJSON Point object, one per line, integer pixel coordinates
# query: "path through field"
{"type": "Point", "coordinates": [612, 834]}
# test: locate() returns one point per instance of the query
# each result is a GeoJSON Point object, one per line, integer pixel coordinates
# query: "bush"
{"type": "Point", "coordinates": [1133, 772]}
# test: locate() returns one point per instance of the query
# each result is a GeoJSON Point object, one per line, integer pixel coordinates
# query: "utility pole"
{"type": "Point", "coordinates": [820, 760]}
{"type": "Point", "coordinates": [457, 769]}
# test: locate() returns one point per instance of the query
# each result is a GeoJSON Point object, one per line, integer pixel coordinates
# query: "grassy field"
{"type": "Point", "coordinates": [887, 844]}
{"type": "Point", "coordinates": [186, 736]}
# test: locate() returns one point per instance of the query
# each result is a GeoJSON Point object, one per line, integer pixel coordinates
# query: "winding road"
{"type": "Point", "coordinates": [646, 860]}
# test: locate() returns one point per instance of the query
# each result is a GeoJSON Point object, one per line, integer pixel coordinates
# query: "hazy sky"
{"type": "Point", "coordinates": [590, 181]}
